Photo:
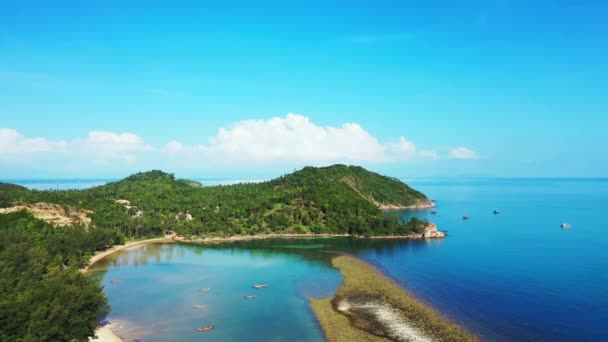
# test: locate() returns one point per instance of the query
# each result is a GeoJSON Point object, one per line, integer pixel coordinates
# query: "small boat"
{"type": "Point", "coordinates": [205, 289]}
{"type": "Point", "coordinates": [496, 212]}
{"type": "Point", "coordinates": [211, 327]}
{"type": "Point", "coordinates": [565, 225]}
{"type": "Point", "coordinates": [115, 281]}
{"type": "Point", "coordinates": [434, 212]}
{"type": "Point", "coordinates": [248, 297]}
{"type": "Point", "coordinates": [465, 217]}
{"type": "Point", "coordinates": [260, 286]}
{"type": "Point", "coordinates": [199, 306]}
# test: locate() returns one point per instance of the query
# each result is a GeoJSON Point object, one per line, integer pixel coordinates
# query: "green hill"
{"type": "Point", "coordinates": [336, 199]}
{"type": "Point", "coordinates": [378, 189]}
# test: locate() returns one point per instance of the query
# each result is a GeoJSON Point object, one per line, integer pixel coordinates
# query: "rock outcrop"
{"type": "Point", "coordinates": [426, 204]}
{"type": "Point", "coordinates": [431, 232]}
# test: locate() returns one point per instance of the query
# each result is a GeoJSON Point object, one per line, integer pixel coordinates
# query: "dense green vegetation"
{"type": "Point", "coordinates": [8, 192]}
{"type": "Point", "coordinates": [338, 199]}
{"type": "Point", "coordinates": [43, 296]}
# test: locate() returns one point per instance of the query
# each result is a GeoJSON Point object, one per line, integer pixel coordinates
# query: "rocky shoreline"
{"type": "Point", "coordinates": [430, 232]}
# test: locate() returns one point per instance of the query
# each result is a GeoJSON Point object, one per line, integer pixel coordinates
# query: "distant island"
{"type": "Point", "coordinates": [40, 262]}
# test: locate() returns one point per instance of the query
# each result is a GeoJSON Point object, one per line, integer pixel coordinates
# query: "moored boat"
{"type": "Point", "coordinates": [465, 217]}
{"type": "Point", "coordinates": [211, 327]}
{"type": "Point", "coordinates": [199, 306]}
{"type": "Point", "coordinates": [248, 297]}
{"type": "Point", "coordinates": [565, 225]}
{"type": "Point", "coordinates": [260, 286]}
{"type": "Point", "coordinates": [496, 212]}
{"type": "Point", "coordinates": [115, 281]}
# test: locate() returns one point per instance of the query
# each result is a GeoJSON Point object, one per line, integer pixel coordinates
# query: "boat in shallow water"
{"type": "Point", "coordinates": [211, 327]}
{"type": "Point", "coordinates": [565, 225]}
{"type": "Point", "coordinates": [261, 286]}
{"type": "Point", "coordinates": [248, 297]}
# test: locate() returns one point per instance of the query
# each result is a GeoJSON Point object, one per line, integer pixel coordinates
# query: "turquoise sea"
{"type": "Point", "coordinates": [514, 276]}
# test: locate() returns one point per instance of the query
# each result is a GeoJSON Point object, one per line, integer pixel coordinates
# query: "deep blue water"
{"type": "Point", "coordinates": [516, 276]}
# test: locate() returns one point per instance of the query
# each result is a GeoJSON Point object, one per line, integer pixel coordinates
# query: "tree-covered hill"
{"type": "Point", "coordinates": [374, 187]}
{"type": "Point", "coordinates": [43, 296]}
{"type": "Point", "coordinates": [336, 199]}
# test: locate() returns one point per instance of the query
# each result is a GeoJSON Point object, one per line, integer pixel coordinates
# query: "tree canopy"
{"type": "Point", "coordinates": [337, 199]}
{"type": "Point", "coordinates": [43, 295]}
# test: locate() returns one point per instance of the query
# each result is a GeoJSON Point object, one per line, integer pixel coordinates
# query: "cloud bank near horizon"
{"type": "Point", "coordinates": [292, 139]}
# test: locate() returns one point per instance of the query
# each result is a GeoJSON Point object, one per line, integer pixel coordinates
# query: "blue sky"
{"type": "Point", "coordinates": [491, 88]}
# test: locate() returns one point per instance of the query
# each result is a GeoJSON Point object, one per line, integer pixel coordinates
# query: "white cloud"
{"type": "Point", "coordinates": [110, 142]}
{"type": "Point", "coordinates": [174, 147]}
{"type": "Point", "coordinates": [409, 150]}
{"type": "Point", "coordinates": [294, 138]}
{"type": "Point", "coordinates": [100, 146]}
{"type": "Point", "coordinates": [462, 153]}
{"type": "Point", "coordinates": [106, 146]}
{"type": "Point", "coordinates": [13, 143]}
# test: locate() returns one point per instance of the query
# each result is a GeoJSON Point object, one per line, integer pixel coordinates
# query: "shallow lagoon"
{"type": "Point", "coordinates": [161, 283]}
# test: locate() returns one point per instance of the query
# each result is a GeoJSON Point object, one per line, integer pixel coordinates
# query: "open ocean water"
{"type": "Point", "coordinates": [515, 276]}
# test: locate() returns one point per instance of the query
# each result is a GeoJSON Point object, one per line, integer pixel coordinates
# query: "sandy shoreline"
{"type": "Point", "coordinates": [95, 258]}
{"type": "Point", "coordinates": [105, 334]}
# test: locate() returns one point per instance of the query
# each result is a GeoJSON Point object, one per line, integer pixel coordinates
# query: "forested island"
{"type": "Point", "coordinates": [39, 262]}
